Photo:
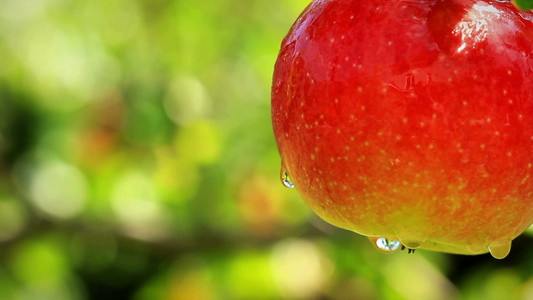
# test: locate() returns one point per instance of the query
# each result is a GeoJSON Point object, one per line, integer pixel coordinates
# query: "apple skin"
{"type": "Point", "coordinates": [411, 120]}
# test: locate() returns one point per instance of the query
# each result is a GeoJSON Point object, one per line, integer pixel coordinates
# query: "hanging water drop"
{"type": "Point", "coordinates": [385, 245]}
{"type": "Point", "coordinates": [285, 179]}
{"type": "Point", "coordinates": [411, 238]}
{"type": "Point", "coordinates": [500, 250]}
{"type": "Point", "coordinates": [412, 244]}
{"type": "Point", "coordinates": [476, 247]}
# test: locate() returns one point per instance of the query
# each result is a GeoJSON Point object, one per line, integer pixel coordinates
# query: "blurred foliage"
{"type": "Point", "coordinates": [524, 4]}
{"type": "Point", "coordinates": [137, 161]}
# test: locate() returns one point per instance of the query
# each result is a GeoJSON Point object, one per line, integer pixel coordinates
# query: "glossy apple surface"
{"type": "Point", "coordinates": [411, 120]}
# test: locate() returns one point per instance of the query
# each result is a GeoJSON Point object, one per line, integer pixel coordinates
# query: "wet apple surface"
{"type": "Point", "coordinates": [411, 121]}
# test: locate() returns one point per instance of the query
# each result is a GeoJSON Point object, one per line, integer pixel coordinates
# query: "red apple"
{"type": "Point", "coordinates": [411, 120]}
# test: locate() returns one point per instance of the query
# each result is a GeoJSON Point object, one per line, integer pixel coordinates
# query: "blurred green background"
{"type": "Point", "coordinates": [137, 161]}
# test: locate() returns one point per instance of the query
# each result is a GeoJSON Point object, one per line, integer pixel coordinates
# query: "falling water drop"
{"type": "Point", "coordinates": [285, 179]}
{"type": "Point", "coordinates": [500, 250]}
{"type": "Point", "coordinates": [385, 245]}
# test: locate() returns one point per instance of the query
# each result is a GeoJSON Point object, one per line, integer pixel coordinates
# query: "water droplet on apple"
{"type": "Point", "coordinates": [285, 179]}
{"type": "Point", "coordinates": [412, 244]}
{"type": "Point", "coordinates": [500, 250]}
{"type": "Point", "coordinates": [411, 239]}
{"type": "Point", "coordinates": [476, 247]}
{"type": "Point", "coordinates": [385, 245]}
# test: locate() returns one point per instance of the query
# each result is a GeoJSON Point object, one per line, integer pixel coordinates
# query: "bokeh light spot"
{"type": "Point", "coordinates": [59, 190]}
{"type": "Point", "coordinates": [306, 259]}
{"type": "Point", "coordinates": [186, 101]}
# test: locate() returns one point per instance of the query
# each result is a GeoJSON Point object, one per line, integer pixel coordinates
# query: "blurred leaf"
{"type": "Point", "coordinates": [529, 231]}
{"type": "Point", "coordinates": [524, 4]}
{"type": "Point", "coordinates": [13, 218]}
{"type": "Point", "coordinates": [53, 266]}
{"type": "Point", "coordinates": [146, 123]}
{"type": "Point", "coordinates": [199, 142]}
{"type": "Point", "coordinates": [239, 283]}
